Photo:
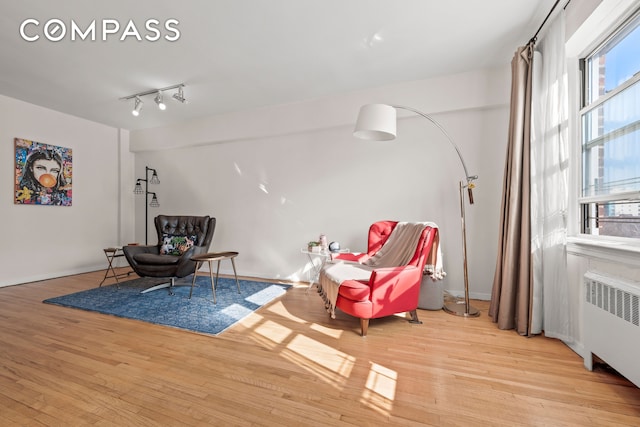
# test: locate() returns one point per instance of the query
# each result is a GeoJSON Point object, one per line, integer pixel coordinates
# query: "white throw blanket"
{"type": "Point", "coordinates": [396, 251]}
{"type": "Point", "coordinates": [333, 274]}
{"type": "Point", "coordinates": [399, 247]}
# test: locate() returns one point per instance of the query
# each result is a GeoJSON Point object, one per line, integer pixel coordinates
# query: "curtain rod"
{"type": "Point", "coordinates": [535, 36]}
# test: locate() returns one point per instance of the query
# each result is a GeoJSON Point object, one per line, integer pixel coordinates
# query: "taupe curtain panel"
{"type": "Point", "coordinates": [511, 295]}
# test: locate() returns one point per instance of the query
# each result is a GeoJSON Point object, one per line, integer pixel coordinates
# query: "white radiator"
{"type": "Point", "coordinates": [612, 324]}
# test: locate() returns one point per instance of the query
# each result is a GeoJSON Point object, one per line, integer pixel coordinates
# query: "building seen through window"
{"type": "Point", "coordinates": [610, 199]}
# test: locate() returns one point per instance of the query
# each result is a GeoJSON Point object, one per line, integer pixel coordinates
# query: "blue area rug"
{"type": "Point", "coordinates": [197, 314]}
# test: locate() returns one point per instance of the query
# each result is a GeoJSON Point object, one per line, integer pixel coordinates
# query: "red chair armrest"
{"type": "Point", "coordinates": [348, 256]}
{"type": "Point", "coordinates": [403, 277]}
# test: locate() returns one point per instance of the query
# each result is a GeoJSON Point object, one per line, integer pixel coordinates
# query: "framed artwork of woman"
{"type": "Point", "coordinates": [43, 174]}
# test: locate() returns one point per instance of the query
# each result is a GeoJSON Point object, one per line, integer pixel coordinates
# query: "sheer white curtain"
{"type": "Point", "coordinates": [549, 186]}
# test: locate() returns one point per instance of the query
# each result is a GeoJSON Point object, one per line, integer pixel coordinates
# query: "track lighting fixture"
{"type": "Point", "coordinates": [137, 107]}
{"type": "Point", "coordinates": [160, 102]}
{"type": "Point", "coordinates": [159, 98]}
{"type": "Point", "coordinates": [179, 96]}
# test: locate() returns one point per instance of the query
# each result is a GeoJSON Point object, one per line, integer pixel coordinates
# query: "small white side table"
{"type": "Point", "coordinates": [314, 271]}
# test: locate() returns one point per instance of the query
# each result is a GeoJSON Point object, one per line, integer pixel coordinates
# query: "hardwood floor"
{"type": "Point", "coordinates": [289, 364]}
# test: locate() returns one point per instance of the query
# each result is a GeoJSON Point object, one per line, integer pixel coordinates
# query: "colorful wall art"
{"type": "Point", "coordinates": [43, 174]}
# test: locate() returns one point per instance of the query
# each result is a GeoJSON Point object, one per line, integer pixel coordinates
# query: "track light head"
{"type": "Point", "coordinates": [137, 107]}
{"type": "Point", "coordinates": [160, 102]}
{"type": "Point", "coordinates": [179, 96]}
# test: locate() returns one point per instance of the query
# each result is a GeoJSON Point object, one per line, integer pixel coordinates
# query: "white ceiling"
{"type": "Point", "coordinates": [243, 54]}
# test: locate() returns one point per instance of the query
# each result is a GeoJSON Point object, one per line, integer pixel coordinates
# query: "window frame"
{"type": "Point", "coordinates": [588, 204]}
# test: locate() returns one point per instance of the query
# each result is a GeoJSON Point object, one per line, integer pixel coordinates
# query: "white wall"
{"type": "Point", "coordinates": [277, 177]}
{"type": "Point", "coordinates": [274, 178]}
{"type": "Point", "coordinates": [41, 242]}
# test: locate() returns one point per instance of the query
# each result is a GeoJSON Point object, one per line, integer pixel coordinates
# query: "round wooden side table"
{"type": "Point", "coordinates": [210, 258]}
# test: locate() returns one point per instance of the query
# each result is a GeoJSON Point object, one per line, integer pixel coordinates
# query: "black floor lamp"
{"type": "Point", "coordinates": [154, 200]}
{"type": "Point", "coordinates": [378, 122]}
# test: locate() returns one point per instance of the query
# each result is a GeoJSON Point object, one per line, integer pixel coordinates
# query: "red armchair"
{"type": "Point", "coordinates": [379, 290]}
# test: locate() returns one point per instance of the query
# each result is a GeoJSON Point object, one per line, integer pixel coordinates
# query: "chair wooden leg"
{"type": "Point", "coordinates": [364, 325]}
{"type": "Point", "coordinates": [414, 317]}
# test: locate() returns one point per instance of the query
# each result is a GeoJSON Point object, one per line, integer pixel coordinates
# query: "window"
{"type": "Point", "coordinates": [610, 120]}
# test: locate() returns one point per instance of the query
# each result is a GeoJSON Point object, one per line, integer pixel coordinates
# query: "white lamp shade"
{"type": "Point", "coordinates": [376, 122]}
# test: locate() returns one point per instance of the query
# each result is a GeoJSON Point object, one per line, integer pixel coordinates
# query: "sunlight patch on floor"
{"type": "Point", "coordinates": [327, 363]}
{"type": "Point", "coordinates": [273, 331]}
{"type": "Point", "coordinates": [330, 332]}
{"type": "Point", "coordinates": [279, 309]}
{"type": "Point", "coordinates": [251, 321]}
{"type": "Point", "coordinates": [380, 388]}
{"type": "Point", "coordinates": [382, 381]}
{"type": "Point", "coordinates": [236, 311]}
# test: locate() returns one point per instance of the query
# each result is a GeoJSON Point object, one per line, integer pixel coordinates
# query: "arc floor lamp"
{"type": "Point", "coordinates": [377, 122]}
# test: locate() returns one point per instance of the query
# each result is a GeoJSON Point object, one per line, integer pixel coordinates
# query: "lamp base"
{"type": "Point", "coordinates": [460, 309]}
